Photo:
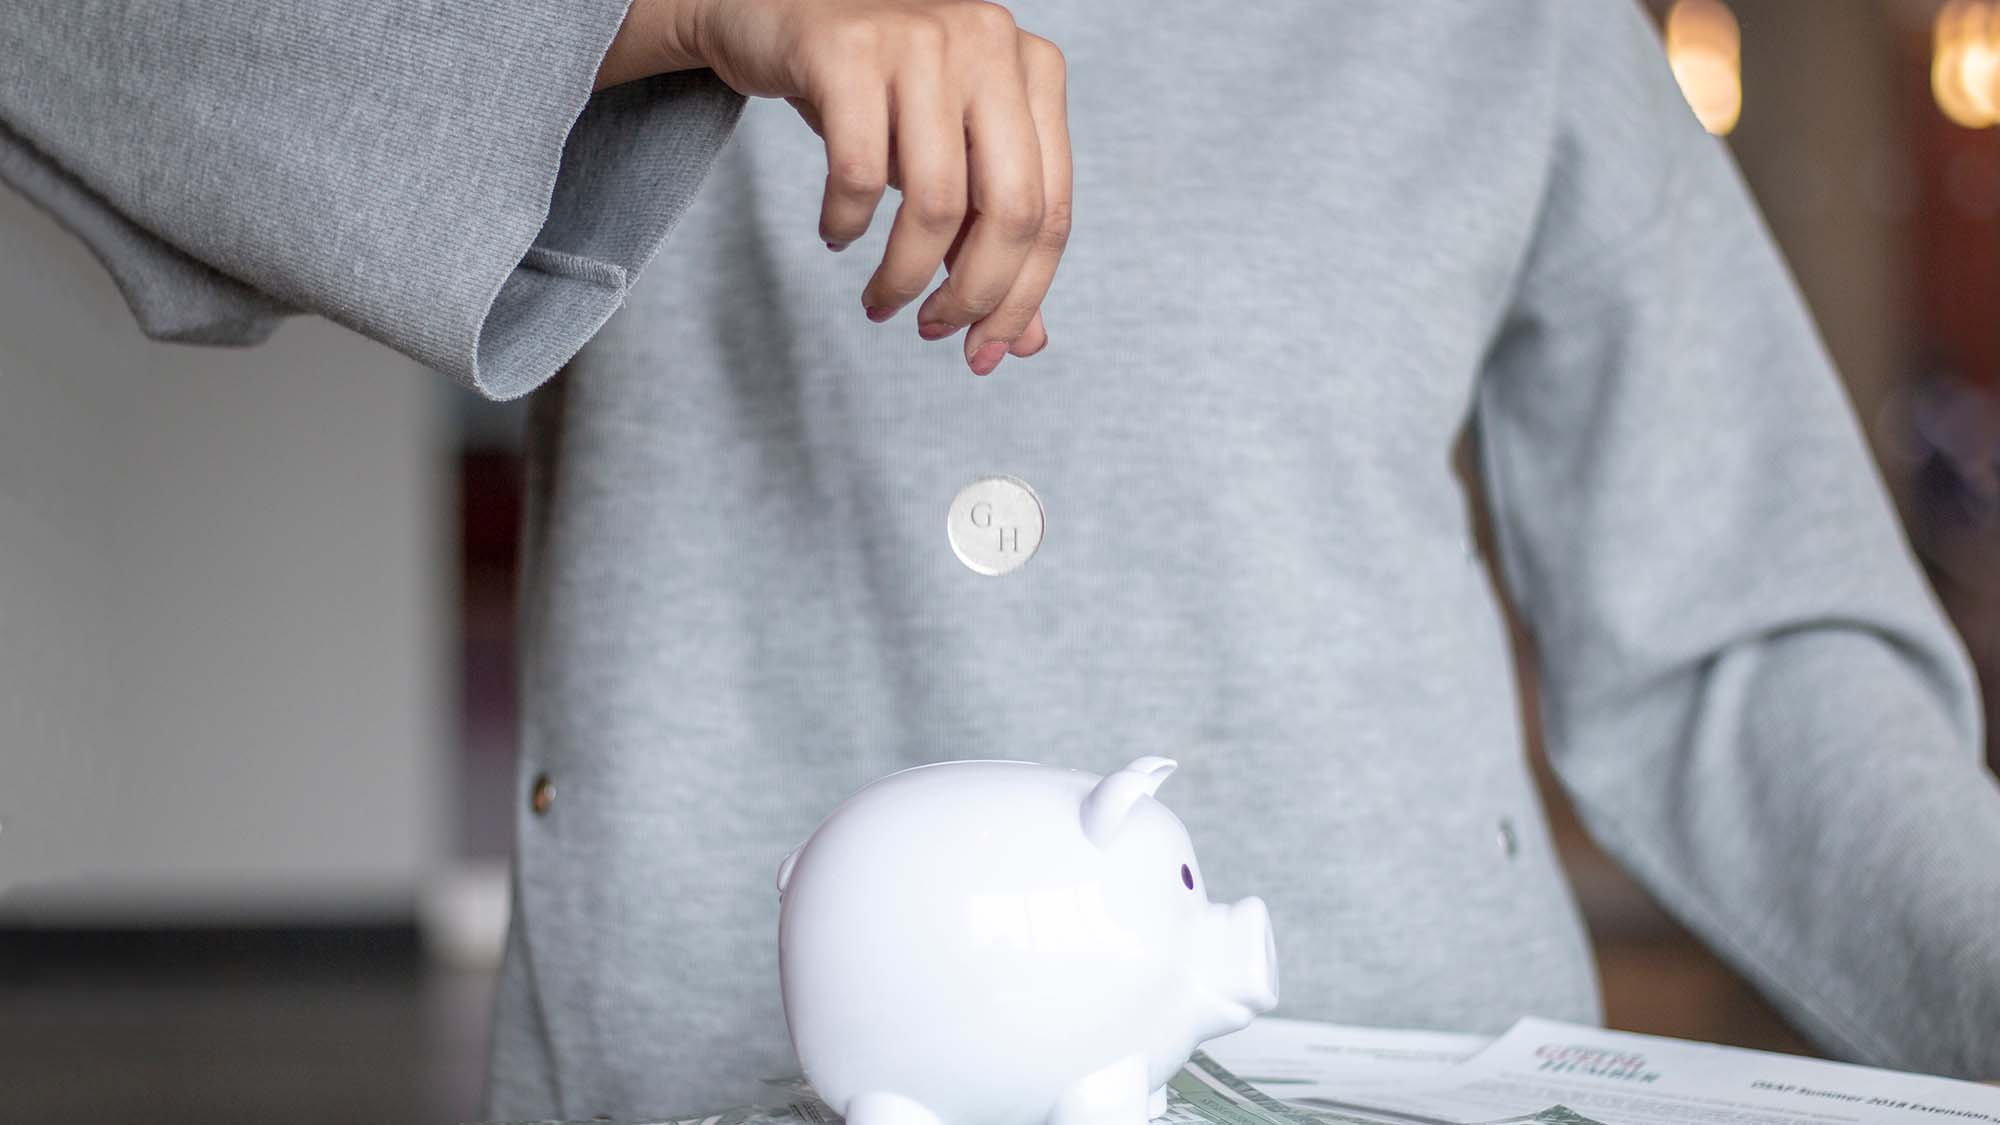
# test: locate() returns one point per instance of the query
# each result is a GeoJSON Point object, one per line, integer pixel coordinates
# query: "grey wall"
{"type": "Point", "coordinates": [224, 612]}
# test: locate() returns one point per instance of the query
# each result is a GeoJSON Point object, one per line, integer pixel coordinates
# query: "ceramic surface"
{"type": "Point", "coordinates": [1006, 943]}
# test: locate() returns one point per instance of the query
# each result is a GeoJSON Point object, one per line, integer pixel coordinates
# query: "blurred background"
{"type": "Point", "coordinates": [256, 618]}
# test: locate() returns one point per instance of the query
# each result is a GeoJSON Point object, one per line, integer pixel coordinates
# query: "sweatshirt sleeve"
{"type": "Point", "coordinates": [1748, 687]}
{"type": "Point", "coordinates": [437, 176]}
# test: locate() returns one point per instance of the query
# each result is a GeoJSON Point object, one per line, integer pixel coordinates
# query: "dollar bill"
{"type": "Point", "coordinates": [1204, 1092]}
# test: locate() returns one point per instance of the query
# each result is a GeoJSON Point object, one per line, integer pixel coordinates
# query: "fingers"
{"type": "Point", "coordinates": [930, 151]}
{"type": "Point", "coordinates": [855, 123]}
{"type": "Point", "coordinates": [1005, 212]}
{"type": "Point", "coordinates": [965, 115]}
{"type": "Point", "coordinates": [1020, 308]}
{"type": "Point", "coordinates": [1033, 339]}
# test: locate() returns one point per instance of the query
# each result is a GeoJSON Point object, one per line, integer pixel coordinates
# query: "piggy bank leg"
{"type": "Point", "coordinates": [1156, 1104]}
{"type": "Point", "coordinates": [888, 1109]}
{"type": "Point", "coordinates": [1116, 1095]}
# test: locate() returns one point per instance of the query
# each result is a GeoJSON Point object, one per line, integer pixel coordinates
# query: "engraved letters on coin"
{"type": "Point", "coordinates": [995, 524]}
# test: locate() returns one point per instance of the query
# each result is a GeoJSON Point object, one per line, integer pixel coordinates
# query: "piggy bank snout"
{"type": "Point", "coordinates": [1251, 967]}
{"type": "Point", "coordinates": [1239, 965]}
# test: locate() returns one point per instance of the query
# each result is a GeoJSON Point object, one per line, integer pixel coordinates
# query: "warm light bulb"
{"type": "Point", "coordinates": [1965, 63]}
{"type": "Point", "coordinates": [1705, 49]}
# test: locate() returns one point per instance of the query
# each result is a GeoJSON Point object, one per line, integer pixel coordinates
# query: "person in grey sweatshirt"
{"type": "Point", "coordinates": [1310, 246]}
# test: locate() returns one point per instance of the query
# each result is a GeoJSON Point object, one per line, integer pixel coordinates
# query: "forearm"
{"type": "Point", "coordinates": [437, 177]}
{"type": "Point", "coordinates": [1808, 805]}
{"type": "Point", "coordinates": [1748, 687]}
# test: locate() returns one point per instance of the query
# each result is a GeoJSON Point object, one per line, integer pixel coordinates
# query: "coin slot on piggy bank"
{"type": "Point", "coordinates": [1006, 943]}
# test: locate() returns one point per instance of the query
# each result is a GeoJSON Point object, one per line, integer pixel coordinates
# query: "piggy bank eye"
{"type": "Point", "coordinates": [1187, 877]}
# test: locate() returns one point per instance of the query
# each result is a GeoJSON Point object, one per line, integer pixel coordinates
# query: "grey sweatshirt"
{"type": "Point", "coordinates": [1313, 243]}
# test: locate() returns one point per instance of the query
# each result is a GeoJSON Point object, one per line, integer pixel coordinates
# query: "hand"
{"type": "Point", "coordinates": [947, 101]}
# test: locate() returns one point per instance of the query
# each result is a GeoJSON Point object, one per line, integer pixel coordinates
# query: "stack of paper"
{"type": "Point", "coordinates": [1290, 1072]}
{"type": "Point", "coordinates": [1544, 1071]}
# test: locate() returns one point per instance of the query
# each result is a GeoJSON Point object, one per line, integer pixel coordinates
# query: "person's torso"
{"type": "Point", "coordinates": [1295, 230]}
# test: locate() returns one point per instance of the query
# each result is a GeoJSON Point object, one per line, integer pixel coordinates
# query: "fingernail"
{"type": "Point", "coordinates": [988, 356]}
{"type": "Point", "coordinates": [935, 329]}
{"type": "Point", "coordinates": [878, 313]}
{"type": "Point", "coordinates": [837, 247]}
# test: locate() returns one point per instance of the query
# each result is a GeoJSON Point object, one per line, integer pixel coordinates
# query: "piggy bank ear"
{"type": "Point", "coordinates": [785, 868]}
{"type": "Point", "coordinates": [1111, 800]}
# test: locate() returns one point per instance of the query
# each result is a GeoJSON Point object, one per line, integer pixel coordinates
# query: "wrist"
{"type": "Point", "coordinates": [657, 37]}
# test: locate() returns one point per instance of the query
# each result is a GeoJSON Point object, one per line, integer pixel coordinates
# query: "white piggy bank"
{"type": "Point", "coordinates": [1004, 943]}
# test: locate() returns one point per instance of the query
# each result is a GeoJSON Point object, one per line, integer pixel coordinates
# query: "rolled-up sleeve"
{"type": "Point", "coordinates": [437, 176]}
{"type": "Point", "coordinates": [1747, 685]}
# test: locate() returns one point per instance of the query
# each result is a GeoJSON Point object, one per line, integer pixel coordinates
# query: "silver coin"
{"type": "Point", "coordinates": [995, 525]}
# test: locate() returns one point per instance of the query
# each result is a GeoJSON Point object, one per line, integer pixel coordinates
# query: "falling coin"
{"type": "Point", "coordinates": [995, 524]}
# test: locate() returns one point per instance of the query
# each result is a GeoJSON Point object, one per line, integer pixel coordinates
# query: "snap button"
{"type": "Point", "coordinates": [995, 525]}
{"type": "Point", "coordinates": [1510, 844]}
{"type": "Point", "coordinates": [542, 795]}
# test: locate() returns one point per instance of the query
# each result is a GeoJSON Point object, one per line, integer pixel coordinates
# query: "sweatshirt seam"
{"type": "Point", "coordinates": [1575, 278]}
{"type": "Point", "coordinates": [564, 95]}
{"type": "Point", "coordinates": [574, 267]}
{"type": "Point", "coordinates": [1572, 274]}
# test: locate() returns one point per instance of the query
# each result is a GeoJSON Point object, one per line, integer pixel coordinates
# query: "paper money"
{"type": "Point", "coordinates": [1203, 1093]}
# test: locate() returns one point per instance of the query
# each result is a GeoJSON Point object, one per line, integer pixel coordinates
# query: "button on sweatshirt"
{"type": "Point", "coordinates": [1313, 244]}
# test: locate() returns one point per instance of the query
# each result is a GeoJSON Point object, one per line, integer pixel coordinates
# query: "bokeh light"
{"type": "Point", "coordinates": [1965, 63]}
{"type": "Point", "coordinates": [1705, 49]}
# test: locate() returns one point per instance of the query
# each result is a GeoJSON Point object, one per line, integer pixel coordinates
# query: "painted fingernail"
{"type": "Point", "coordinates": [878, 313]}
{"type": "Point", "coordinates": [837, 247]}
{"type": "Point", "coordinates": [935, 329]}
{"type": "Point", "coordinates": [988, 356]}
